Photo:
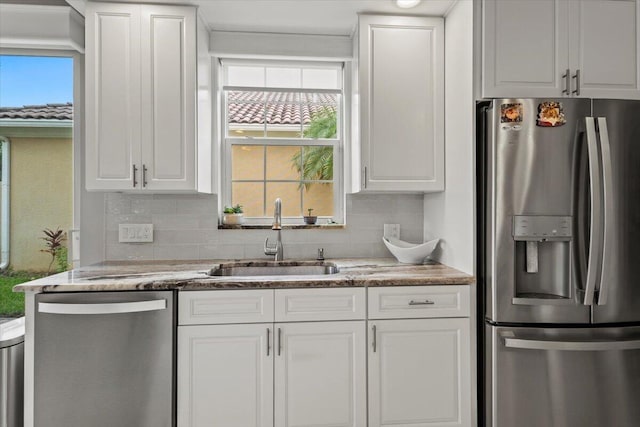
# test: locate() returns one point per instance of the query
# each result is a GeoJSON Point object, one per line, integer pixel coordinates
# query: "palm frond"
{"type": "Point", "coordinates": [316, 163]}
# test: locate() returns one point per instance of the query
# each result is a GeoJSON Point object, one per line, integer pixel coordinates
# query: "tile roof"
{"type": "Point", "coordinates": [43, 112]}
{"type": "Point", "coordinates": [284, 108]}
{"type": "Point", "coordinates": [279, 108]}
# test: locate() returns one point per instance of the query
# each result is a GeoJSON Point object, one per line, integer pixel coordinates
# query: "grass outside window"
{"type": "Point", "coordinates": [12, 303]}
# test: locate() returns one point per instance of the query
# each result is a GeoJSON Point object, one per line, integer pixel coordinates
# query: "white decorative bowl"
{"type": "Point", "coordinates": [410, 253]}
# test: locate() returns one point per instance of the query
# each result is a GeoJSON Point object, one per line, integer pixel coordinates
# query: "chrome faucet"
{"type": "Point", "coordinates": [276, 250]}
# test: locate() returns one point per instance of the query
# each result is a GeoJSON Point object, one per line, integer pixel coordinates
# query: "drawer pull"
{"type": "Point", "coordinates": [425, 302]}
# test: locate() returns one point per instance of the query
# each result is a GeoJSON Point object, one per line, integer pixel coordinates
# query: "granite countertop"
{"type": "Point", "coordinates": [194, 275]}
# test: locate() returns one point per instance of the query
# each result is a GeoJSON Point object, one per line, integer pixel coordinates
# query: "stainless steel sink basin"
{"type": "Point", "coordinates": [275, 269]}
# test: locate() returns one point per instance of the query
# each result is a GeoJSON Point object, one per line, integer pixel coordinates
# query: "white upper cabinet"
{"type": "Point", "coordinates": [400, 92]}
{"type": "Point", "coordinates": [555, 48]}
{"type": "Point", "coordinates": [525, 48]}
{"type": "Point", "coordinates": [112, 95]}
{"type": "Point", "coordinates": [141, 97]}
{"type": "Point", "coordinates": [605, 49]}
{"type": "Point", "coordinates": [169, 96]}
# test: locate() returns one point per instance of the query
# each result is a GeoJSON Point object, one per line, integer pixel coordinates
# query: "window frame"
{"type": "Point", "coordinates": [227, 142]}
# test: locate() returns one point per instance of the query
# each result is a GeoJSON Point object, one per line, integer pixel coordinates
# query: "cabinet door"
{"type": "Point", "coordinates": [525, 48]}
{"type": "Point", "coordinates": [168, 52]}
{"type": "Point", "coordinates": [112, 95]}
{"type": "Point", "coordinates": [320, 374]}
{"type": "Point", "coordinates": [401, 74]}
{"type": "Point", "coordinates": [604, 48]}
{"type": "Point", "coordinates": [419, 373]}
{"type": "Point", "coordinates": [225, 376]}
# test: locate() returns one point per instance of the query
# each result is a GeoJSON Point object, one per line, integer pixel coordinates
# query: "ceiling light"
{"type": "Point", "coordinates": [406, 4]}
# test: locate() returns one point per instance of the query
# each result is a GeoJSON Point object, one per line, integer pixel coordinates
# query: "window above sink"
{"type": "Point", "coordinates": [283, 137]}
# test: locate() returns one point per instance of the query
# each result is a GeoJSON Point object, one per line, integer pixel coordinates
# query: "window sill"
{"type": "Point", "coordinates": [284, 227]}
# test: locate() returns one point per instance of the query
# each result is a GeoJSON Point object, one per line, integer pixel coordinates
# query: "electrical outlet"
{"type": "Point", "coordinates": [392, 230]}
{"type": "Point", "coordinates": [135, 233]}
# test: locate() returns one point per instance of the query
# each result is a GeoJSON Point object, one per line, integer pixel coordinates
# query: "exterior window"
{"type": "Point", "coordinates": [283, 138]}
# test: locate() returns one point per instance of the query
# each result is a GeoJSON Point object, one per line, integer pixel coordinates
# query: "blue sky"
{"type": "Point", "coordinates": [35, 80]}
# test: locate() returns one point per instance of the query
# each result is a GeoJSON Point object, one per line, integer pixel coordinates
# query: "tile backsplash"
{"type": "Point", "coordinates": [186, 227]}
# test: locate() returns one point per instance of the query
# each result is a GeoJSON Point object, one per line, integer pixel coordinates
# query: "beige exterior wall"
{"type": "Point", "coordinates": [248, 163]}
{"type": "Point", "coordinates": [41, 197]}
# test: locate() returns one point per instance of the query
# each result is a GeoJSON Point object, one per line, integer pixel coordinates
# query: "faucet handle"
{"type": "Point", "coordinates": [320, 256]}
{"type": "Point", "coordinates": [269, 249]}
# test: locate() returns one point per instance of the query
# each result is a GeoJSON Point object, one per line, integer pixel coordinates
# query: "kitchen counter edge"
{"type": "Point", "coordinates": [193, 275]}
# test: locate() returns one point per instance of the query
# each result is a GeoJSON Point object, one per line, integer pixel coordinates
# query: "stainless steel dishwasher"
{"type": "Point", "coordinates": [104, 359]}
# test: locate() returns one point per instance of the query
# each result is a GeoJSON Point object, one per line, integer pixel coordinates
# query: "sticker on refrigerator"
{"type": "Point", "coordinates": [511, 113]}
{"type": "Point", "coordinates": [550, 114]}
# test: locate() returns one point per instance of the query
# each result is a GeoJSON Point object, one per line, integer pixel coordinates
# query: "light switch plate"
{"type": "Point", "coordinates": [392, 230]}
{"type": "Point", "coordinates": [135, 233]}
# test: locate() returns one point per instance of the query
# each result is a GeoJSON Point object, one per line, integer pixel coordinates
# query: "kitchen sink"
{"type": "Point", "coordinates": [275, 269]}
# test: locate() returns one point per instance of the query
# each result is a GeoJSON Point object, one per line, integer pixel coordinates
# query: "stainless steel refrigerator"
{"type": "Point", "coordinates": [559, 261]}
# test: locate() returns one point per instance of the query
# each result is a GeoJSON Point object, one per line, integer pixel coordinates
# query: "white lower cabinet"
{"type": "Point", "coordinates": [320, 374]}
{"type": "Point", "coordinates": [313, 373]}
{"type": "Point", "coordinates": [265, 370]}
{"type": "Point", "coordinates": [225, 376]}
{"type": "Point", "coordinates": [419, 373]}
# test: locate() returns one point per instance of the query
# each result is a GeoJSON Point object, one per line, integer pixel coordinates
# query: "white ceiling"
{"type": "Point", "coordinates": [337, 17]}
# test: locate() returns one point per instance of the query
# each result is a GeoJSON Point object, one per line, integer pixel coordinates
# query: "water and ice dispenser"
{"type": "Point", "coordinates": [543, 257]}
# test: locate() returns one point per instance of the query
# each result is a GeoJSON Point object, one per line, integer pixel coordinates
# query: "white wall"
{"type": "Point", "coordinates": [450, 215]}
{"type": "Point", "coordinates": [186, 227]}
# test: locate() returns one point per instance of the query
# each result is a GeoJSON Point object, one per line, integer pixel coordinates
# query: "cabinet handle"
{"type": "Point", "coordinates": [365, 177]}
{"type": "Point", "coordinates": [577, 77]}
{"type": "Point", "coordinates": [279, 341]}
{"type": "Point", "coordinates": [425, 302]}
{"type": "Point", "coordinates": [567, 82]}
{"type": "Point", "coordinates": [135, 173]}
{"type": "Point", "coordinates": [374, 342]}
{"type": "Point", "coordinates": [268, 341]}
{"type": "Point", "coordinates": [144, 176]}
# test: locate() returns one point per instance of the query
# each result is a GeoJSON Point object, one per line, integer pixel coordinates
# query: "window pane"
{"type": "Point", "coordinates": [245, 113]}
{"type": "Point", "coordinates": [317, 163]}
{"type": "Point", "coordinates": [283, 77]}
{"type": "Point", "coordinates": [318, 78]}
{"type": "Point", "coordinates": [250, 195]}
{"type": "Point", "coordinates": [298, 172]}
{"type": "Point", "coordinates": [319, 111]}
{"type": "Point", "coordinates": [245, 76]}
{"type": "Point", "coordinates": [290, 194]}
{"type": "Point", "coordinates": [247, 162]}
{"type": "Point", "coordinates": [284, 163]}
{"type": "Point", "coordinates": [318, 197]}
{"type": "Point", "coordinates": [283, 114]}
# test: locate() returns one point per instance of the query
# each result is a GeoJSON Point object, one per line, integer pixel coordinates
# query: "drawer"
{"type": "Point", "coordinates": [399, 302]}
{"type": "Point", "coordinates": [219, 307]}
{"type": "Point", "coordinates": [293, 305]}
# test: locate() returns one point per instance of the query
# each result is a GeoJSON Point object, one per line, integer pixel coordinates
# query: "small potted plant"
{"type": "Point", "coordinates": [310, 219]}
{"type": "Point", "coordinates": [233, 215]}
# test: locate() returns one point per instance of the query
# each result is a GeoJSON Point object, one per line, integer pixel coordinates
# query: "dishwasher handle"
{"type": "Point", "coordinates": [102, 308]}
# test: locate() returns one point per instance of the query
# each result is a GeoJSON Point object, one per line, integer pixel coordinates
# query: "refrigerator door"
{"type": "Point", "coordinates": [536, 193]}
{"type": "Point", "coordinates": [618, 299]}
{"type": "Point", "coordinates": [555, 377]}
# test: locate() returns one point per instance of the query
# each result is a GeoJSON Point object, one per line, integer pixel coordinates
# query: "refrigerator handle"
{"type": "Point", "coordinates": [595, 237]}
{"type": "Point", "coordinates": [607, 188]}
{"type": "Point", "coordinates": [528, 344]}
